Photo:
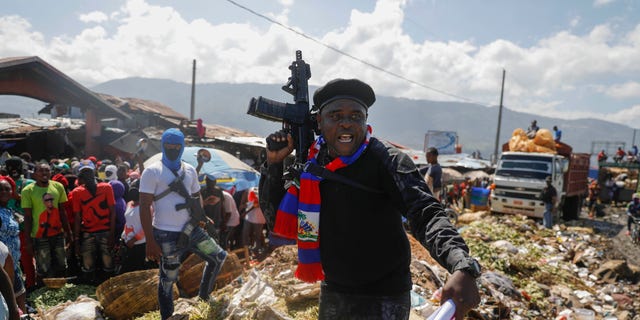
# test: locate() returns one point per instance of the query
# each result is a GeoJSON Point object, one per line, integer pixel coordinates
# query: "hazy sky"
{"type": "Point", "coordinates": [567, 59]}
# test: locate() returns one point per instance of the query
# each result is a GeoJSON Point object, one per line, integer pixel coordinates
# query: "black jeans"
{"type": "Point", "coordinates": [336, 305]}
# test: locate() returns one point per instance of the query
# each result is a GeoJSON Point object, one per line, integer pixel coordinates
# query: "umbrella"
{"type": "Point", "coordinates": [451, 175]}
{"type": "Point", "coordinates": [476, 174]}
{"type": "Point", "coordinates": [228, 170]}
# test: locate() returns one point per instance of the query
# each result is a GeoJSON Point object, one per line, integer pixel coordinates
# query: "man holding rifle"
{"type": "Point", "coordinates": [358, 193]}
{"type": "Point", "coordinates": [172, 186]}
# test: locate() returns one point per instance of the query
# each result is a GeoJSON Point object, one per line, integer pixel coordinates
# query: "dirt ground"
{"type": "Point", "coordinates": [614, 225]}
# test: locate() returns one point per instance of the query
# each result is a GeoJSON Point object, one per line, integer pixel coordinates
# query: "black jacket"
{"type": "Point", "coordinates": [363, 243]}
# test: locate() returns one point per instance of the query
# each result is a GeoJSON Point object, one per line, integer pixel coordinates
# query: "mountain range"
{"type": "Point", "coordinates": [400, 120]}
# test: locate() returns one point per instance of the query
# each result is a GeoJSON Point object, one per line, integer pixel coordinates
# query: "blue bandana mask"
{"type": "Point", "coordinates": [171, 158]}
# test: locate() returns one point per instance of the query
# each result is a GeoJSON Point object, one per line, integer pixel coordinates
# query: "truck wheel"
{"type": "Point", "coordinates": [570, 210]}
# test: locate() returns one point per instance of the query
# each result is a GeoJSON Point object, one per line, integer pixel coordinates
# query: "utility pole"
{"type": "Point", "coordinates": [495, 151]}
{"type": "Point", "coordinates": [193, 90]}
{"type": "Point", "coordinates": [633, 141]}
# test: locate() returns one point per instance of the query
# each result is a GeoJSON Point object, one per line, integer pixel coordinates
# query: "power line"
{"type": "Point", "coordinates": [369, 64]}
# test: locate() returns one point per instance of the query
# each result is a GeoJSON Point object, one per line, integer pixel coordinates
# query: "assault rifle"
{"type": "Point", "coordinates": [193, 205]}
{"type": "Point", "coordinates": [296, 118]}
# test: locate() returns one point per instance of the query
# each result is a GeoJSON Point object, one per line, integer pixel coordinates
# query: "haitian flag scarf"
{"type": "Point", "coordinates": [298, 216]}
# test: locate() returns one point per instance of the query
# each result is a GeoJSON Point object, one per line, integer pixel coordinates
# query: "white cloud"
{"type": "Point", "coordinates": [155, 41]}
{"type": "Point", "coordinates": [601, 3]}
{"type": "Point", "coordinates": [623, 91]}
{"type": "Point", "coordinates": [628, 116]}
{"type": "Point", "coordinates": [286, 3]}
{"type": "Point", "coordinates": [94, 16]}
{"type": "Point", "coordinates": [574, 22]}
{"type": "Point", "coordinates": [19, 39]}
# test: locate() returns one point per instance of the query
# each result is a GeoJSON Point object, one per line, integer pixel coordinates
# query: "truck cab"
{"type": "Point", "coordinates": [520, 178]}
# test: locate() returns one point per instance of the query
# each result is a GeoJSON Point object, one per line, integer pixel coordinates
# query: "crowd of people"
{"type": "Point", "coordinates": [620, 156]}
{"type": "Point", "coordinates": [80, 219]}
{"type": "Point", "coordinates": [92, 219]}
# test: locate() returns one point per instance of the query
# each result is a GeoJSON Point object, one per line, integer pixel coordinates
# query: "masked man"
{"type": "Point", "coordinates": [172, 187]}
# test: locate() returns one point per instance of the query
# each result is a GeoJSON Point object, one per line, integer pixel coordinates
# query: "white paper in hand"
{"type": "Point", "coordinates": [447, 311]}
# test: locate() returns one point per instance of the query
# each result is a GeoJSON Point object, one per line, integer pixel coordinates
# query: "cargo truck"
{"type": "Point", "coordinates": [520, 177]}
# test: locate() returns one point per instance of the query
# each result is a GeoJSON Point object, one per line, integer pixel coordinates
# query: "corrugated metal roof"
{"type": "Point", "coordinates": [141, 105]}
{"type": "Point", "coordinates": [215, 130]}
{"type": "Point", "coordinates": [251, 141]}
{"type": "Point", "coordinates": [46, 83]}
{"type": "Point", "coordinates": [26, 125]}
{"type": "Point", "coordinates": [115, 105]}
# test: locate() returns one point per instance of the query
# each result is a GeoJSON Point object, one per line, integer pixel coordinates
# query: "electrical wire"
{"type": "Point", "coordinates": [369, 64]}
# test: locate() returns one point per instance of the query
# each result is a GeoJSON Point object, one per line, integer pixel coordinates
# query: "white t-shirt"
{"type": "Point", "coordinates": [230, 206]}
{"type": "Point", "coordinates": [156, 179]}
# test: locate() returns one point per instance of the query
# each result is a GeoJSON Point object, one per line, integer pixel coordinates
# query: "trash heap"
{"type": "Point", "coordinates": [529, 273]}
{"type": "Point", "coordinates": [559, 273]}
{"type": "Point", "coordinates": [568, 272]}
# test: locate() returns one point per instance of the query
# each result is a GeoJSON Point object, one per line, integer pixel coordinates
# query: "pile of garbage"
{"type": "Point", "coordinates": [568, 272]}
{"type": "Point", "coordinates": [530, 273]}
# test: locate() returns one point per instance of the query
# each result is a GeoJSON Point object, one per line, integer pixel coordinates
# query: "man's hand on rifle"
{"type": "Point", "coordinates": [278, 156]}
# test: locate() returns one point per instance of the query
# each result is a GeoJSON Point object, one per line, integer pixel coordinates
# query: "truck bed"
{"type": "Point", "coordinates": [576, 178]}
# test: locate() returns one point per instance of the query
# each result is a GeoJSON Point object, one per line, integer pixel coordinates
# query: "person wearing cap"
{"type": "Point", "coordinates": [94, 223]}
{"type": "Point", "coordinates": [45, 218]}
{"type": "Point", "coordinates": [362, 255]}
{"type": "Point", "coordinates": [549, 197]}
{"type": "Point", "coordinates": [434, 173]}
{"type": "Point", "coordinates": [171, 221]}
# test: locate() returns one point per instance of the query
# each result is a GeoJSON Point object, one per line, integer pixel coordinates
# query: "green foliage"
{"type": "Point", "coordinates": [45, 298]}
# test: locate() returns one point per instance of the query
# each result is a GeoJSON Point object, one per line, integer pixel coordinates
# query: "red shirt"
{"type": "Point", "coordinates": [95, 211]}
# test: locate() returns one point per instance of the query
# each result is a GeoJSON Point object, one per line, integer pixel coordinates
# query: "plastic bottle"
{"type": "Point", "coordinates": [584, 314]}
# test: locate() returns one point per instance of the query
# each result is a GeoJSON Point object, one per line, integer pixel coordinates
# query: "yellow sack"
{"type": "Point", "coordinates": [518, 141]}
{"type": "Point", "coordinates": [544, 138]}
{"type": "Point", "coordinates": [543, 141]}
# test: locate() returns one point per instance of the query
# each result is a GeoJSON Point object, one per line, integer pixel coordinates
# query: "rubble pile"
{"type": "Point", "coordinates": [568, 272]}
{"type": "Point", "coordinates": [553, 273]}
{"type": "Point", "coordinates": [530, 273]}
